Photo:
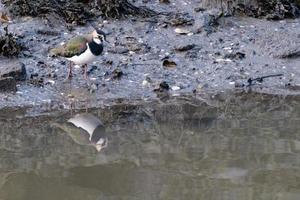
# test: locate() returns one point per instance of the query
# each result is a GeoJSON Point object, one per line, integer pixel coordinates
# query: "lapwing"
{"type": "Point", "coordinates": [81, 50]}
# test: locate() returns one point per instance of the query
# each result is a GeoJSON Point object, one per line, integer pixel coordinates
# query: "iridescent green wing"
{"type": "Point", "coordinates": [75, 46]}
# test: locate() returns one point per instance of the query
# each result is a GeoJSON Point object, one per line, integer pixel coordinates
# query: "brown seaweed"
{"type": "Point", "coordinates": [76, 11]}
{"type": "Point", "coordinates": [9, 47]}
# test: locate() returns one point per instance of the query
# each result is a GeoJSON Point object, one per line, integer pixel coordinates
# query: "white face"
{"type": "Point", "coordinates": [97, 40]}
{"type": "Point", "coordinates": [102, 143]}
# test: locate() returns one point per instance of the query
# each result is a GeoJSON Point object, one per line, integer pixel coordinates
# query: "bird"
{"type": "Point", "coordinates": [81, 50]}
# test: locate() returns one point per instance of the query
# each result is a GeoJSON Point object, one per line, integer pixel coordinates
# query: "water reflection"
{"type": "Point", "coordinates": [93, 133]}
{"type": "Point", "coordinates": [181, 149]}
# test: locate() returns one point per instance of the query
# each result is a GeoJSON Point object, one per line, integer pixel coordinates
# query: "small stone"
{"type": "Point", "coordinates": [164, 1]}
{"type": "Point", "coordinates": [182, 31]}
{"type": "Point", "coordinates": [145, 82]}
{"type": "Point", "coordinates": [93, 88]}
{"type": "Point", "coordinates": [175, 88]}
{"type": "Point", "coordinates": [164, 85]}
{"type": "Point", "coordinates": [169, 63]}
{"type": "Point", "coordinates": [236, 55]}
{"type": "Point", "coordinates": [199, 9]}
{"type": "Point", "coordinates": [182, 48]}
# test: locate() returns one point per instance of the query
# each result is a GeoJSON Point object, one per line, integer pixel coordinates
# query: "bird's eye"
{"type": "Point", "coordinates": [101, 37]}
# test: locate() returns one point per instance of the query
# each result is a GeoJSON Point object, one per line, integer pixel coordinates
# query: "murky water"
{"type": "Point", "coordinates": [241, 147]}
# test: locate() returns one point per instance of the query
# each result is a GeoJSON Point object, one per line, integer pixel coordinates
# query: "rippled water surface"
{"type": "Point", "coordinates": [242, 147]}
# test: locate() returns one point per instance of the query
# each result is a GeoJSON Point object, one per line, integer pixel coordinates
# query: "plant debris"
{"type": "Point", "coordinates": [121, 8]}
{"type": "Point", "coordinates": [271, 9]}
{"type": "Point", "coordinates": [253, 81]}
{"type": "Point", "coordinates": [9, 46]}
{"type": "Point", "coordinates": [76, 11]}
{"type": "Point", "coordinates": [4, 17]}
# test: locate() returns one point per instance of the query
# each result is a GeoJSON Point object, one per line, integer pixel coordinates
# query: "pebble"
{"type": "Point", "coordinates": [175, 88]}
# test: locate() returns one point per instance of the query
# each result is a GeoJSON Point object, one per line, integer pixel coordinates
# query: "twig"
{"type": "Point", "coordinates": [261, 79]}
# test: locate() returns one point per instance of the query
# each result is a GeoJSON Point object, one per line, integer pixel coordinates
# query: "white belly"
{"type": "Point", "coordinates": [84, 58]}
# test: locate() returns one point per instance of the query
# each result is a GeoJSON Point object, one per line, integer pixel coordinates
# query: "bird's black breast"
{"type": "Point", "coordinates": [95, 48]}
{"type": "Point", "coordinates": [98, 133]}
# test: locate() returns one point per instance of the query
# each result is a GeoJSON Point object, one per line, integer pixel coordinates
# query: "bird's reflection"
{"type": "Point", "coordinates": [92, 131]}
{"type": "Point", "coordinates": [85, 129]}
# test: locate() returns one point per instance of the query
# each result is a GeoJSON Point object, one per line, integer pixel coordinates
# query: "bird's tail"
{"type": "Point", "coordinates": [56, 52]}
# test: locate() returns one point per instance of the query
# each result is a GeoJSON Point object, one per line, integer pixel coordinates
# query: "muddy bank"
{"type": "Point", "coordinates": [194, 53]}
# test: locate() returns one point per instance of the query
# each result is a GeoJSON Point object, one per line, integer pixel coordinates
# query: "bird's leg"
{"type": "Point", "coordinates": [70, 71]}
{"type": "Point", "coordinates": [86, 107]}
{"type": "Point", "coordinates": [72, 107]}
{"type": "Point", "coordinates": [85, 72]}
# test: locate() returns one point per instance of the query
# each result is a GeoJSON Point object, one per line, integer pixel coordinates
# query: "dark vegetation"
{"type": "Point", "coordinates": [9, 46]}
{"type": "Point", "coordinates": [272, 9]}
{"type": "Point", "coordinates": [76, 11]}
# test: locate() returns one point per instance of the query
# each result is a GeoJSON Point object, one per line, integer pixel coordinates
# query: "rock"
{"type": "Point", "coordinates": [211, 22]}
{"type": "Point", "coordinates": [163, 86]}
{"type": "Point", "coordinates": [199, 9]}
{"type": "Point", "coordinates": [235, 55]}
{"type": "Point", "coordinates": [184, 47]}
{"type": "Point", "coordinates": [164, 1]}
{"type": "Point", "coordinates": [8, 84]}
{"type": "Point", "coordinates": [12, 68]}
{"type": "Point", "coordinates": [169, 63]}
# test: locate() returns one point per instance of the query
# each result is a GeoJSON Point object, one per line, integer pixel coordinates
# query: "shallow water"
{"type": "Point", "coordinates": [240, 147]}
